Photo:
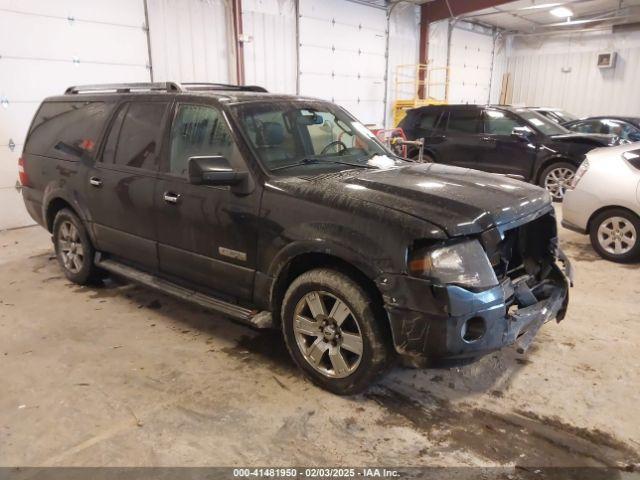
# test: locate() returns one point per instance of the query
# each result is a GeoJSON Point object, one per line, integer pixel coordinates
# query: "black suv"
{"type": "Point", "coordinates": [518, 142]}
{"type": "Point", "coordinates": [286, 212]}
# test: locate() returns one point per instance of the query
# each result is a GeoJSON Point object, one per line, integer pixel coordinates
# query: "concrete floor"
{"type": "Point", "coordinates": [120, 375]}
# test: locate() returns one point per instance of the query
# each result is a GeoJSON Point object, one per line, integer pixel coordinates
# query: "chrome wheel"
{"type": "Point", "coordinates": [617, 235]}
{"type": "Point", "coordinates": [557, 181]}
{"type": "Point", "coordinates": [70, 247]}
{"type": "Point", "coordinates": [328, 334]}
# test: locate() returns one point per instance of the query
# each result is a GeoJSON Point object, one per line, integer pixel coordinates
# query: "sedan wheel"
{"type": "Point", "coordinates": [557, 180]}
{"type": "Point", "coordinates": [617, 235]}
{"type": "Point", "coordinates": [327, 334]}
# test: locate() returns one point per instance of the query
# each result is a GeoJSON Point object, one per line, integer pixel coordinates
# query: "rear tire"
{"type": "Point", "coordinates": [556, 178]}
{"type": "Point", "coordinates": [73, 248]}
{"type": "Point", "coordinates": [333, 331]}
{"type": "Point", "coordinates": [614, 235]}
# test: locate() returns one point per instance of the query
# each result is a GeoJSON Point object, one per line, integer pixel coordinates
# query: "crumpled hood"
{"type": "Point", "coordinates": [601, 139]}
{"type": "Point", "coordinates": [460, 201]}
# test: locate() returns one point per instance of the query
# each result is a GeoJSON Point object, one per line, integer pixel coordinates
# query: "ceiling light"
{"type": "Point", "coordinates": [542, 5]}
{"type": "Point", "coordinates": [561, 12]}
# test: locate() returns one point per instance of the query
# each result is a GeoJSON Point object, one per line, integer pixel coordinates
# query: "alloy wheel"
{"type": "Point", "coordinates": [557, 181]}
{"type": "Point", "coordinates": [617, 235]}
{"type": "Point", "coordinates": [70, 247]}
{"type": "Point", "coordinates": [328, 334]}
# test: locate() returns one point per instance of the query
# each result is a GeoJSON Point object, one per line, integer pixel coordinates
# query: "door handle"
{"type": "Point", "coordinates": [487, 139]}
{"type": "Point", "coordinates": [171, 197]}
{"type": "Point", "coordinates": [95, 181]}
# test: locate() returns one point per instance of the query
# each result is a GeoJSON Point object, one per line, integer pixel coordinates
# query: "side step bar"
{"type": "Point", "coordinates": [251, 317]}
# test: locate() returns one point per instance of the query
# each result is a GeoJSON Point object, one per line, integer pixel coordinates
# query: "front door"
{"type": "Point", "coordinates": [120, 185]}
{"type": "Point", "coordinates": [504, 153]}
{"type": "Point", "coordinates": [207, 234]}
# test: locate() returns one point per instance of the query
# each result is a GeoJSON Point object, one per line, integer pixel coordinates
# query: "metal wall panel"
{"type": "Point", "coordinates": [191, 40]}
{"type": "Point", "coordinates": [562, 72]}
{"type": "Point", "coordinates": [65, 42]}
{"type": "Point", "coordinates": [342, 55]}
{"type": "Point", "coordinates": [270, 56]}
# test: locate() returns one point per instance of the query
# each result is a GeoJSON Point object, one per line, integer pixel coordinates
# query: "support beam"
{"type": "Point", "coordinates": [236, 6]}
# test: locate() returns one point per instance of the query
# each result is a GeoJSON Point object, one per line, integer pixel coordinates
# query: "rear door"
{"type": "Point", "coordinates": [502, 152]}
{"type": "Point", "coordinates": [121, 184]}
{"type": "Point", "coordinates": [460, 137]}
{"type": "Point", "coordinates": [207, 234]}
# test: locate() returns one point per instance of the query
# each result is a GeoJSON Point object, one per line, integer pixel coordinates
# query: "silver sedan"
{"type": "Point", "coordinates": [604, 201]}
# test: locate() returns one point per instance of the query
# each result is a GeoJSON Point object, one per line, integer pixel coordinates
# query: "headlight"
{"type": "Point", "coordinates": [463, 263]}
{"type": "Point", "coordinates": [582, 169]}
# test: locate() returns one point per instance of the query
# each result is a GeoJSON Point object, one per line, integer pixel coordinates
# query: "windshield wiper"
{"type": "Point", "coordinates": [313, 160]}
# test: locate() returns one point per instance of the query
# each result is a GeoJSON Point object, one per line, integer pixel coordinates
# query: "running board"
{"type": "Point", "coordinates": [258, 319]}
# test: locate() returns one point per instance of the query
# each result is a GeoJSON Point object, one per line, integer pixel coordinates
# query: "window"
{"type": "Point", "coordinates": [540, 122]}
{"type": "Point", "coordinates": [619, 128]}
{"type": "Point", "coordinates": [498, 123]}
{"type": "Point", "coordinates": [139, 141]}
{"type": "Point", "coordinates": [464, 121]}
{"type": "Point", "coordinates": [67, 130]}
{"type": "Point", "coordinates": [109, 152]}
{"type": "Point", "coordinates": [199, 130]}
{"type": "Point", "coordinates": [428, 120]}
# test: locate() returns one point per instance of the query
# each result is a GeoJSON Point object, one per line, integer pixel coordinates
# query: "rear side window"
{"type": "Point", "coordinates": [67, 130]}
{"type": "Point", "coordinates": [464, 121]}
{"type": "Point", "coordinates": [109, 153]}
{"type": "Point", "coordinates": [428, 120]}
{"type": "Point", "coordinates": [139, 141]}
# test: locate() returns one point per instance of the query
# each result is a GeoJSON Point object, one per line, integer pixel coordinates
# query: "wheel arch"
{"type": "Point", "coordinates": [53, 207]}
{"type": "Point", "coordinates": [604, 209]}
{"type": "Point", "coordinates": [303, 262]}
{"type": "Point", "coordinates": [550, 161]}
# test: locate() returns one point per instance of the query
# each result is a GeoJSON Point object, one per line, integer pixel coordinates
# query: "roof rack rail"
{"type": "Point", "coordinates": [125, 87]}
{"type": "Point", "coordinates": [202, 86]}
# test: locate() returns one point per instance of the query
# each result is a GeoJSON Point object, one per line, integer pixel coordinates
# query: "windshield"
{"type": "Point", "coordinates": [541, 123]}
{"type": "Point", "coordinates": [564, 116]}
{"type": "Point", "coordinates": [294, 137]}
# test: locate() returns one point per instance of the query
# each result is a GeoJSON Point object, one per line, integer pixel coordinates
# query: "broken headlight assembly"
{"type": "Point", "coordinates": [462, 263]}
{"type": "Point", "coordinates": [582, 169]}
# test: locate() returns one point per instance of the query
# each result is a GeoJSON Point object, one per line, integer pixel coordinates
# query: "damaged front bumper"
{"type": "Point", "coordinates": [448, 321]}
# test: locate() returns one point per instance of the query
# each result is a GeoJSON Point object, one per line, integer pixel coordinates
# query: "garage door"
{"type": "Point", "coordinates": [342, 55]}
{"type": "Point", "coordinates": [47, 46]}
{"type": "Point", "coordinates": [470, 67]}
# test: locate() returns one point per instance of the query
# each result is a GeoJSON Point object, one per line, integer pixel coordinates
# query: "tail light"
{"type": "Point", "coordinates": [24, 178]}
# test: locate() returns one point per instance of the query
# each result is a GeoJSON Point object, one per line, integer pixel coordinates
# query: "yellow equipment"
{"type": "Point", "coordinates": [417, 85]}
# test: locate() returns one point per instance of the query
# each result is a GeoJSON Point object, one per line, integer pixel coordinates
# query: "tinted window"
{"type": "Point", "coordinates": [464, 121]}
{"type": "Point", "coordinates": [109, 152]}
{"type": "Point", "coordinates": [67, 130]}
{"type": "Point", "coordinates": [139, 142]}
{"type": "Point", "coordinates": [541, 123]}
{"type": "Point", "coordinates": [199, 131]}
{"type": "Point", "coordinates": [428, 120]}
{"type": "Point", "coordinates": [498, 123]}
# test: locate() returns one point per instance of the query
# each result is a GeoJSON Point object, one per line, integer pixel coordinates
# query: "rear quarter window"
{"type": "Point", "coordinates": [67, 130]}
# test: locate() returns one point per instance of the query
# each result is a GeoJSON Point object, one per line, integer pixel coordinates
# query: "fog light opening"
{"type": "Point", "coordinates": [473, 329]}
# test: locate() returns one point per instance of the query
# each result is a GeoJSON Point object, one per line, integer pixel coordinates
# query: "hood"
{"type": "Point", "coordinates": [458, 200]}
{"type": "Point", "coordinates": [612, 153]}
{"type": "Point", "coordinates": [598, 139]}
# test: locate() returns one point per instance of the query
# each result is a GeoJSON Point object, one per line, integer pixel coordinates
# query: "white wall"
{"type": "Point", "coordinates": [46, 46]}
{"type": "Point", "coordinates": [191, 40]}
{"type": "Point", "coordinates": [404, 41]}
{"type": "Point", "coordinates": [269, 27]}
{"type": "Point", "coordinates": [536, 65]}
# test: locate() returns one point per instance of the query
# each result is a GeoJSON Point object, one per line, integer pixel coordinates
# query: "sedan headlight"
{"type": "Point", "coordinates": [582, 169]}
{"type": "Point", "coordinates": [463, 263]}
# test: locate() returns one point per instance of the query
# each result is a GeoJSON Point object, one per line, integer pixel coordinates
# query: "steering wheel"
{"type": "Point", "coordinates": [332, 144]}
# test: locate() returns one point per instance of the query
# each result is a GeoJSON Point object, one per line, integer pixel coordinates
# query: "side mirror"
{"type": "Point", "coordinates": [215, 170]}
{"type": "Point", "coordinates": [523, 133]}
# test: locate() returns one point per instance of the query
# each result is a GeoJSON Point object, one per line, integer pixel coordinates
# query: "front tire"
{"type": "Point", "coordinates": [614, 235]}
{"type": "Point", "coordinates": [333, 331]}
{"type": "Point", "coordinates": [556, 178]}
{"type": "Point", "coordinates": [73, 248]}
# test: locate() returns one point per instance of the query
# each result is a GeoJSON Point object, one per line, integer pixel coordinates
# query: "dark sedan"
{"type": "Point", "coordinates": [627, 128]}
{"type": "Point", "coordinates": [516, 142]}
